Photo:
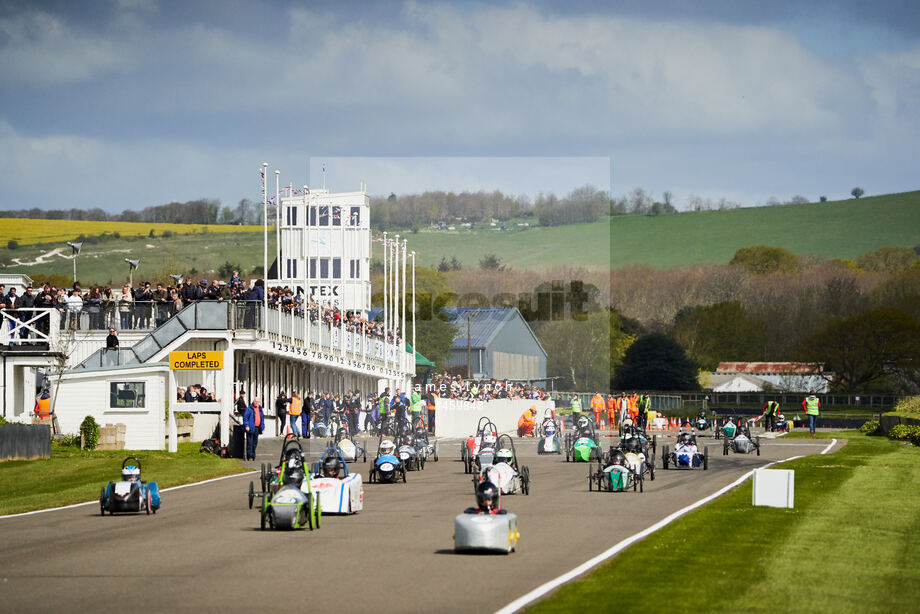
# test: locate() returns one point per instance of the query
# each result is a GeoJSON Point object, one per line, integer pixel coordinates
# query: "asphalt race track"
{"type": "Point", "coordinates": [204, 552]}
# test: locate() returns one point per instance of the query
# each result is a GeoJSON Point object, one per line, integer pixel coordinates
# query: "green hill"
{"type": "Point", "coordinates": [841, 229]}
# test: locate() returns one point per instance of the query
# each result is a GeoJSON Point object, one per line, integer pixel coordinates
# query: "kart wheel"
{"type": "Point", "coordinates": [149, 503]}
{"type": "Point", "coordinates": [311, 512]}
{"type": "Point", "coordinates": [651, 469]}
{"type": "Point", "coordinates": [664, 457]}
{"type": "Point", "coordinates": [654, 443]}
{"type": "Point", "coordinates": [436, 451]}
{"type": "Point", "coordinates": [641, 484]}
{"type": "Point", "coordinates": [319, 512]}
{"type": "Point", "coordinates": [262, 520]}
{"type": "Point", "coordinates": [271, 519]}
{"type": "Point", "coordinates": [404, 475]}
{"type": "Point", "coordinates": [757, 444]}
{"type": "Point", "coordinates": [591, 478]}
{"type": "Point", "coordinates": [705, 458]}
{"type": "Point", "coordinates": [252, 493]}
{"type": "Point", "coordinates": [526, 471]}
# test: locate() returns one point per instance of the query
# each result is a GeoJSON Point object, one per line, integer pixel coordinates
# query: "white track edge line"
{"type": "Point", "coordinates": [543, 589]}
{"type": "Point", "coordinates": [67, 507]}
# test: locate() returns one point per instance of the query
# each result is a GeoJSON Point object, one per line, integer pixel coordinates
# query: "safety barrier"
{"type": "Point", "coordinates": [455, 418]}
{"type": "Point", "coordinates": [24, 441]}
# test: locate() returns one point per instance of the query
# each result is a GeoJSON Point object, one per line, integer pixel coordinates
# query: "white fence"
{"type": "Point", "coordinates": [455, 418]}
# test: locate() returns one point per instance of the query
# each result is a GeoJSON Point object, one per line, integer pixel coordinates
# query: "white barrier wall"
{"type": "Point", "coordinates": [455, 418]}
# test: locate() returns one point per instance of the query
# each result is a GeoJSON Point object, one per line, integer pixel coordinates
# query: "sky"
{"type": "Point", "coordinates": [123, 104]}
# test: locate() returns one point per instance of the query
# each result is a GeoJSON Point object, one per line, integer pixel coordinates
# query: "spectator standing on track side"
{"type": "Point", "coordinates": [576, 409]}
{"type": "Point", "coordinates": [295, 409]}
{"type": "Point", "coordinates": [281, 404]}
{"type": "Point", "coordinates": [432, 407]}
{"type": "Point", "coordinates": [399, 406]}
{"type": "Point", "coordinates": [623, 404]}
{"type": "Point", "coordinates": [240, 405]}
{"type": "Point", "coordinates": [253, 424]}
{"type": "Point", "coordinates": [597, 408]}
{"type": "Point", "coordinates": [812, 407]}
{"type": "Point", "coordinates": [308, 407]}
{"type": "Point", "coordinates": [611, 411]}
{"type": "Point", "coordinates": [643, 404]}
{"type": "Point", "coordinates": [770, 410]}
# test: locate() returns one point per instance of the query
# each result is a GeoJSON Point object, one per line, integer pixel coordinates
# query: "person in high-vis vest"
{"type": "Point", "coordinates": [633, 402]}
{"type": "Point", "coordinates": [611, 411]}
{"type": "Point", "coordinates": [770, 411]}
{"type": "Point", "coordinates": [432, 395]}
{"type": "Point", "coordinates": [576, 408]}
{"type": "Point", "coordinates": [812, 407]}
{"type": "Point", "coordinates": [295, 408]}
{"type": "Point", "coordinates": [43, 406]}
{"type": "Point", "coordinates": [643, 405]}
{"type": "Point", "coordinates": [527, 422]}
{"type": "Point", "coordinates": [597, 407]}
{"type": "Point", "coordinates": [415, 408]}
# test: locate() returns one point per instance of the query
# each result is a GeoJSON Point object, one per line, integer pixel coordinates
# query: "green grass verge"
{"type": "Point", "coordinates": [904, 414]}
{"type": "Point", "coordinates": [72, 475]}
{"type": "Point", "coordinates": [848, 546]}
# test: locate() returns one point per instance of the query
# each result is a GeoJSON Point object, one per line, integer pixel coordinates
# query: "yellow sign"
{"type": "Point", "coordinates": [196, 360]}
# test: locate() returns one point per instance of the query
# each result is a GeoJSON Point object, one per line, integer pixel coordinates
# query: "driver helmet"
{"type": "Point", "coordinates": [550, 428]}
{"type": "Point", "coordinates": [780, 417]}
{"type": "Point", "coordinates": [387, 447]}
{"type": "Point", "coordinates": [504, 456]}
{"type": "Point", "coordinates": [617, 457]}
{"type": "Point", "coordinates": [487, 495]}
{"type": "Point", "coordinates": [489, 439]}
{"type": "Point", "coordinates": [331, 466]}
{"type": "Point", "coordinates": [685, 438]}
{"type": "Point", "coordinates": [702, 414]}
{"type": "Point", "coordinates": [131, 474]}
{"type": "Point", "coordinates": [295, 475]}
{"type": "Point", "coordinates": [630, 444]}
{"type": "Point", "coordinates": [293, 453]}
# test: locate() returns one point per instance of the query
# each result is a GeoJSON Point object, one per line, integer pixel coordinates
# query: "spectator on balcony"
{"type": "Point", "coordinates": [94, 307]}
{"type": "Point", "coordinates": [188, 292]}
{"type": "Point", "coordinates": [44, 300]}
{"type": "Point", "coordinates": [111, 341]}
{"type": "Point", "coordinates": [74, 307]}
{"type": "Point", "coordinates": [25, 302]}
{"type": "Point", "coordinates": [143, 303]}
{"type": "Point", "coordinates": [125, 307]}
{"type": "Point", "coordinates": [161, 298]}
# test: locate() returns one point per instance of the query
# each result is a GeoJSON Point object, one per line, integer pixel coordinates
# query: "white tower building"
{"type": "Point", "coordinates": [325, 246]}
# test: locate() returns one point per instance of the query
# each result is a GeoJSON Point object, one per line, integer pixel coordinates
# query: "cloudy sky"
{"type": "Point", "coordinates": [129, 103]}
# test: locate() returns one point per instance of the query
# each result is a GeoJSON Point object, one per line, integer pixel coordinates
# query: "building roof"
{"type": "Point", "coordinates": [485, 324]}
{"type": "Point", "coordinates": [768, 368]}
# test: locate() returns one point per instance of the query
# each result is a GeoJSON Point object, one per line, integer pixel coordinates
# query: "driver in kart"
{"type": "Point", "coordinates": [686, 439]}
{"type": "Point", "coordinates": [487, 499]}
{"type": "Point", "coordinates": [332, 466]}
{"type": "Point", "coordinates": [131, 474]}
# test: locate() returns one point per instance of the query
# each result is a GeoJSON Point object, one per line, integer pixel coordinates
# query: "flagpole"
{"type": "Point", "coordinates": [386, 291]}
{"type": "Point", "coordinates": [414, 349]}
{"type": "Point", "coordinates": [396, 303]}
{"type": "Point", "coordinates": [277, 226]}
{"type": "Point", "coordinates": [264, 250]}
{"type": "Point", "coordinates": [402, 327]}
{"type": "Point", "coordinates": [308, 295]}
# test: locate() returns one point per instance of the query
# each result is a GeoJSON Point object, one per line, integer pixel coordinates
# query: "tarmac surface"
{"type": "Point", "coordinates": [204, 551]}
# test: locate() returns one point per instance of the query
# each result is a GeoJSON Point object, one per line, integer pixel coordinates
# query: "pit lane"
{"type": "Point", "coordinates": [204, 551]}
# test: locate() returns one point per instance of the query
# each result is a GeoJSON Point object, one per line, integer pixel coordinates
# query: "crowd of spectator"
{"type": "Point", "coordinates": [145, 306]}
{"type": "Point", "coordinates": [455, 387]}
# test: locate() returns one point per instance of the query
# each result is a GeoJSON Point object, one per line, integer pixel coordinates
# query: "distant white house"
{"type": "Point", "coordinates": [761, 376]}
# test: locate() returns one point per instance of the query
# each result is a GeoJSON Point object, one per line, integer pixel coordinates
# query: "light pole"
{"type": "Point", "coordinates": [132, 264]}
{"type": "Point", "coordinates": [76, 247]}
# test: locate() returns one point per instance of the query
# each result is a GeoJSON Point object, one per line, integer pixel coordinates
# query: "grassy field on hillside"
{"type": "Point", "coordinates": [847, 546]}
{"type": "Point", "coordinates": [104, 263]}
{"type": "Point", "coordinates": [843, 229]}
{"type": "Point", "coordinates": [30, 232]}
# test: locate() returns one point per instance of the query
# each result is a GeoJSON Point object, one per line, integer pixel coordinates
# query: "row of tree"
{"type": "Point", "coordinates": [200, 211]}
{"type": "Point", "coordinates": [861, 324]}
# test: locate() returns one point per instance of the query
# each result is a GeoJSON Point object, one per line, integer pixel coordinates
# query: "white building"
{"type": "Point", "coordinates": [331, 232]}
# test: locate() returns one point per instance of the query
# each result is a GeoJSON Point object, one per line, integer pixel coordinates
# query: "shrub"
{"type": "Point", "coordinates": [902, 432]}
{"type": "Point", "coordinates": [167, 233]}
{"type": "Point", "coordinates": [870, 428]}
{"type": "Point", "coordinates": [89, 432]}
{"type": "Point", "coordinates": [909, 405]}
{"type": "Point", "coordinates": [12, 244]}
